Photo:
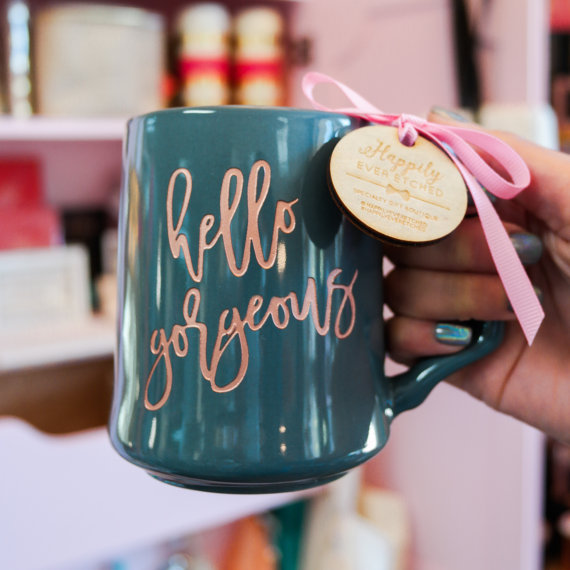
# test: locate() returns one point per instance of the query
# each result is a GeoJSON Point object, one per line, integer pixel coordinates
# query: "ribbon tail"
{"type": "Point", "coordinates": [518, 287]}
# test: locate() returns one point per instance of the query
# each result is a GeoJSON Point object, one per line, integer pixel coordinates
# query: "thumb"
{"type": "Point", "coordinates": [548, 196]}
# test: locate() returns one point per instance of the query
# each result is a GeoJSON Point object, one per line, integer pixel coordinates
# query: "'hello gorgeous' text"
{"type": "Point", "coordinates": [280, 309]}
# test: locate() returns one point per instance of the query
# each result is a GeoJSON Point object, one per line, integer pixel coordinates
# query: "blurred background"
{"type": "Point", "coordinates": [457, 487]}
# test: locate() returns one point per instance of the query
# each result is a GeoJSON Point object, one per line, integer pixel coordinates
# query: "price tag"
{"type": "Point", "coordinates": [408, 194]}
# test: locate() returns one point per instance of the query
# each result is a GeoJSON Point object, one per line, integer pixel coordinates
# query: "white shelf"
{"type": "Point", "coordinates": [80, 158]}
{"type": "Point", "coordinates": [74, 500]}
{"type": "Point", "coordinates": [53, 344]}
{"type": "Point", "coordinates": [39, 128]}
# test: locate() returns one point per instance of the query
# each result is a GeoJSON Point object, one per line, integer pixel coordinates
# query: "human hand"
{"type": "Point", "coordinates": [455, 280]}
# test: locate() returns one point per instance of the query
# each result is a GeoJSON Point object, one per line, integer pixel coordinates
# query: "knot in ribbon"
{"type": "Point", "coordinates": [408, 126]}
{"type": "Point", "coordinates": [456, 142]}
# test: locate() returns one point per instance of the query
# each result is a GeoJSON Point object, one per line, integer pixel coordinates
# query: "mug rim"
{"type": "Point", "coordinates": [256, 109]}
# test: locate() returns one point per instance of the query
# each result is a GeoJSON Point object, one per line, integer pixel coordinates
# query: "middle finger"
{"type": "Point", "coordinates": [465, 250]}
{"type": "Point", "coordinates": [440, 295]}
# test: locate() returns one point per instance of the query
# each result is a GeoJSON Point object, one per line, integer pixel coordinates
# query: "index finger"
{"type": "Point", "coordinates": [547, 195]}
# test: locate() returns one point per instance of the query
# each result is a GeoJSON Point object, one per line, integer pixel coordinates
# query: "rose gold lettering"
{"type": "Point", "coordinates": [348, 297]}
{"type": "Point", "coordinates": [254, 205]}
{"type": "Point", "coordinates": [227, 213]}
{"type": "Point", "coordinates": [236, 328]}
{"type": "Point", "coordinates": [310, 305]}
{"type": "Point", "coordinates": [275, 306]}
{"type": "Point", "coordinates": [162, 350]}
{"type": "Point", "coordinates": [284, 221]}
{"type": "Point", "coordinates": [253, 307]}
{"type": "Point", "coordinates": [178, 242]}
{"type": "Point", "coordinates": [279, 310]}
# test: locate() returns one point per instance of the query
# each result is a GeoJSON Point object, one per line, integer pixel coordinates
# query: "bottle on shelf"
{"type": "Point", "coordinates": [259, 57]}
{"type": "Point", "coordinates": [204, 54]}
{"type": "Point", "coordinates": [18, 89]}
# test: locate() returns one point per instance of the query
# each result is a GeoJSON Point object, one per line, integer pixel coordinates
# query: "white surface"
{"type": "Point", "coordinates": [44, 345]}
{"type": "Point", "coordinates": [71, 499]}
{"type": "Point", "coordinates": [39, 128]}
{"type": "Point", "coordinates": [43, 285]}
{"type": "Point", "coordinates": [537, 123]}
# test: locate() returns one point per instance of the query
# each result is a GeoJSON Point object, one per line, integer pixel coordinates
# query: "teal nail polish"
{"type": "Point", "coordinates": [452, 335]}
{"type": "Point", "coordinates": [528, 247]}
{"type": "Point", "coordinates": [448, 114]}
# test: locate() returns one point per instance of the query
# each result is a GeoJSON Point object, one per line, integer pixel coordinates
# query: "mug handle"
{"type": "Point", "coordinates": [410, 388]}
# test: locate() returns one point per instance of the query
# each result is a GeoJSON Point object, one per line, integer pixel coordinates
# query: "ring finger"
{"type": "Point", "coordinates": [439, 295]}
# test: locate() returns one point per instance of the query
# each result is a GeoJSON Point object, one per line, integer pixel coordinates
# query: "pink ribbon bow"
{"type": "Point", "coordinates": [456, 142]}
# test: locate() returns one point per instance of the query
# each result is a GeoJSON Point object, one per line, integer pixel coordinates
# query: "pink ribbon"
{"type": "Point", "coordinates": [456, 142]}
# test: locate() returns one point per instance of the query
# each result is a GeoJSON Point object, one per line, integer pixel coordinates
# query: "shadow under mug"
{"type": "Point", "coordinates": [250, 342]}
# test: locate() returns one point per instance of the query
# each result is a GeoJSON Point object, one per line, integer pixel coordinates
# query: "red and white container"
{"type": "Point", "coordinates": [204, 54]}
{"type": "Point", "coordinates": [259, 57]}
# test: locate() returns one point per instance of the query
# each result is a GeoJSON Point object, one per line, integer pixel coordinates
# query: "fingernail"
{"type": "Point", "coordinates": [452, 335]}
{"type": "Point", "coordinates": [449, 114]}
{"type": "Point", "coordinates": [539, 294]}
{"type": "Point", "coordinates": [528, 247]}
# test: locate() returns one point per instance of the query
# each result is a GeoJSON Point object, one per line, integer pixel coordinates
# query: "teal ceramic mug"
{"type": "Point", "coordinates": [248, 307]}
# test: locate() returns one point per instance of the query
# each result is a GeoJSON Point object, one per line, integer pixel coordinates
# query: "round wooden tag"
{"type": "Point", "coordinates": [411, 194]}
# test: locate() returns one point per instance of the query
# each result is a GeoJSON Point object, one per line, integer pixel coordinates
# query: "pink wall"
{"type": "Point", "coordinates": [514, 51]}
{"type": "Point", "coordinates": [398, 54]}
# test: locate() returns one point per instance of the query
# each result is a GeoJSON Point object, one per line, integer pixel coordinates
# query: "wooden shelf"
{"type": "Point", "coordinates": [80, 158]}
